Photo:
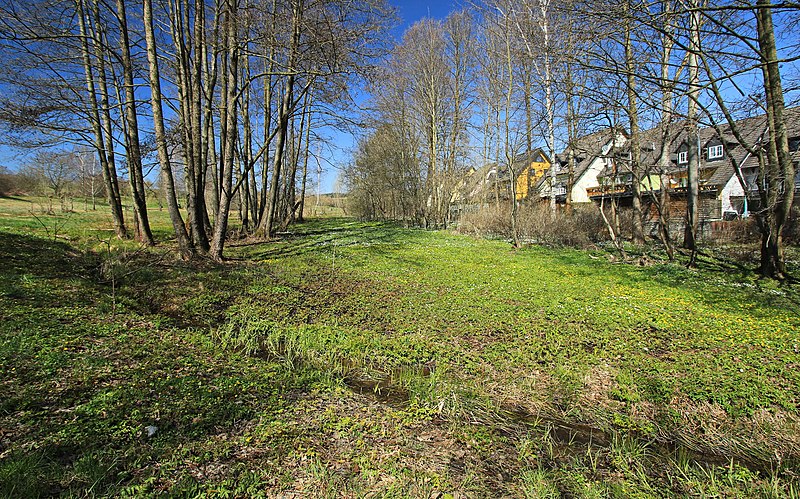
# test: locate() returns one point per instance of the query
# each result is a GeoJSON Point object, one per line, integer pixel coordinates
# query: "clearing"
{"type": "Point", "coordinates": [363, 359]}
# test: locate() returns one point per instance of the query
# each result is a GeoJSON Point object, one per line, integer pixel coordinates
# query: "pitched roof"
{"type": "Point", "coordinates": [750, 130]}
{"type": "Point", "coordinates": [586, 149]}
{"type": "Point", "coordinates": [479, 179]}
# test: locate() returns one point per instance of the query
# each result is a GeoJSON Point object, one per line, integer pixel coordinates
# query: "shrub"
{"type": "Point", "coordinates": [17, 183]}
{"type": "Point", "coordinates": [735, 231]}
{"type": "Point", "coordinates": [582, 228]}
{"type": "Point", "coordinates": [791, 233]}
{"type": "Point", "coordinates": [5, 182]}
{"type": "Point", "coordinates": [490, 220]}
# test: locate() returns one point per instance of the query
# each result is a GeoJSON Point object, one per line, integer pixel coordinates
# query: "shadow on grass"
{"type": "Point", "coordinates": [725, 286]}
{"type": "Point", "coordinates": [21, 253]}
{"type": "Point", "coordinates": [325, 235]}
{"type": "Point", "coordinates": [41, 270]}
{"type": "Point", "coordinates": [80, 387]}
{"type": "Point", "coordinates": [715, 282]}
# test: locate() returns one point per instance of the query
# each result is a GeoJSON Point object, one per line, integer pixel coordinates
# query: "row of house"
{"type": "Point", "coordinates": [601, 170]}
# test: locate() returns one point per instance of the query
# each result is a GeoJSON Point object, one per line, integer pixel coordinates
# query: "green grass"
{"type": "Point", "coordinates": [350, 359]}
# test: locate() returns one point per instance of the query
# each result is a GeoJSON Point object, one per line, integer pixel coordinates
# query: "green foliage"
{"type": "Point", "coordinates": [442, 340]}
{"type": "Point", "coordinates": [536, 484]}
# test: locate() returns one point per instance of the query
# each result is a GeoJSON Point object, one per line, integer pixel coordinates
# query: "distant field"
{"type": "Point", "coordinates": [360, 359]}
{"type": "Point", "coordinates": [327, 205]}
{"type": "Point", "coordinates": [75, 220]}
{"type": "Point", "coordinates": [322, 211]}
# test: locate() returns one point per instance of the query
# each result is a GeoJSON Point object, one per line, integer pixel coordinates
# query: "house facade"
{"type": "Point", "coordinates": [723, 194]}
{"type": "Point", "coordinates": [531, 168]}
{"type": "Point", "coordinates": [492, 183]}
{"type": "Point", "coordinates": [598, 168]}
{"type": "Point", "coordinates": [589, 156]}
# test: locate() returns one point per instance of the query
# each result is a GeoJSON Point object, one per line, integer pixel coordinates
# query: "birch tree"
{"type": "Point", "coordinates": [185, 245]}
{"type": "Point", "coordinates": [55, 88]}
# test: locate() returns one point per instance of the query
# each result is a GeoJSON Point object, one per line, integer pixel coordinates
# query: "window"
{"type": "Point", "coordinates": [683, 157]}
{"type": "Point", "coordinates": [715, 152]}
{"type": "Point", "coordinates": [751, 179]}
{"type": "Point", "coordinates": [623, 179]}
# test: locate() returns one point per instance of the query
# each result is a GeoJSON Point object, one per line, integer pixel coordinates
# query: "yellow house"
{"type": "Point", "coordinates": [529, 169]}
{"type": "Point", "coordinates": [493, 182]}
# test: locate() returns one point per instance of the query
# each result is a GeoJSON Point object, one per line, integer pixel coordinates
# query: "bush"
{"type": "Point", "coordinates": [491, 220]}
{"type": "Point", "coordinates": [741, 231]}
{"type": "Point", "coordinates": [16, 184]}
{"type": "Point", "coordinates": [582, 228]}
{"type": "Point", "coordinates": [791, 233]}
{"type": "Point", "coordinates": [5, 183]}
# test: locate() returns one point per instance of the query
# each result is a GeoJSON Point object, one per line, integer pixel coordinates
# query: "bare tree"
{"type": "Point", "coordinates": [503, 47]}
{"type": "Point", "coordinates": [53, 83]}
{"type": "Point", "coordinates": [535, 25]}
{"type": "Point", "coordinates": [131, 130]}
{"type": "Point", "coordinates": [89, 176]}
{"type": "Point", "coordinates": [632, 109]}
{"type": "Point", "coordinates": [693, 136]}
{"type": "Point", "coordinates": [184, 242]}
{"type": "Point", "coordinates": [726, 45]}
{"type": "Point", "coordinates": [56, 169]}
{"type": "Point", "coordinates": [228, 147]}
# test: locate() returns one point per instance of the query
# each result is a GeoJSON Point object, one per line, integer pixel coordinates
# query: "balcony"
{"type": "Point", "coordinates": [607, 190]}
{"type": "Point", "coordinates": [683, 189]}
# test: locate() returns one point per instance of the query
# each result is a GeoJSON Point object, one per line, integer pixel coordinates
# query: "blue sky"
{"type": "Point", "coordinates": [409, 12]}
{"type": "Point", "coordinates": [414, 10]}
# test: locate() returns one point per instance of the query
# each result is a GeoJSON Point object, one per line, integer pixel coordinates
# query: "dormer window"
{"type": "Point", "coordinates": [683, 157]}
{"type": "Point", "coordinates": [715, 152]}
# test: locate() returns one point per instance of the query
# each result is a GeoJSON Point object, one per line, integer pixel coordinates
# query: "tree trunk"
{"type": "Point", "coordinates": [269, 67]}
{"type": "Point", "coordinates": [780, 189]}
{"type": "Point", "coordinates": [186, 74]}
{"type": "Point", "coordinates": [267, 223]}
{"type": "Point", "coordinates": [106, 164]}
{"type": "Point", "coordinates": [133, 150]}
{"type": "Point", "coordinates": [633, 117]}
{"type": "Point", "coordinates": [549, 99]}
{"type": "Point", "coordinates": [229, 148]}
{"type": "Point", "coordinates": [666, 87]}
{"type": "Point", "coordinates": [693, 139]}
{"type": "Point", "coordinates": [184, 243]}
{"type": "Point", "coordinates": [572, 137]}
{"type": "Point", "coordinates": [301, 207]}
{"type": "Point", "coordinates": [509, 153]}
{"type": "Point", "coordinates": [209, 77]}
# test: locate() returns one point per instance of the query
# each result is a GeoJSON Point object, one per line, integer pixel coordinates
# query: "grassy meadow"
{"type": "Point", "coordinates": [353, 359]}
